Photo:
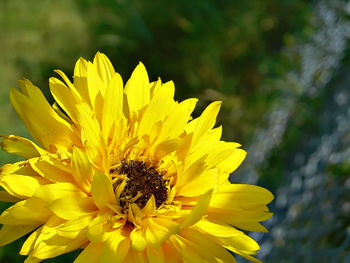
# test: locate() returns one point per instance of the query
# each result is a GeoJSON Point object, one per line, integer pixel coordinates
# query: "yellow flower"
{"type": "Point", "coordinates": [125, 174]}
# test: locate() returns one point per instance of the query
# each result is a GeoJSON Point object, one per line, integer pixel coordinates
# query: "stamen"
{"type": "Point", "coordinates": [142, 181]}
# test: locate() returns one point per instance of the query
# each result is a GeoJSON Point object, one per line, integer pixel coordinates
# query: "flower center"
{"type": "Point", "coordinates": [142, 181]}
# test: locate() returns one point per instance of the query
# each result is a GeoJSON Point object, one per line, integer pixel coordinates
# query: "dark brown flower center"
{"type": "Point", "coordinates": [143, 181]}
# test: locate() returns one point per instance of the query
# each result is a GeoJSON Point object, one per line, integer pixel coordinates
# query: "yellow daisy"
{"type": "Point", "coordinates": [125, 174]}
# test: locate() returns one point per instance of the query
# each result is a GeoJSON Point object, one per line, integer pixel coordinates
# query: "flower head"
{"type": "Point", "coordinates": [125, 174]}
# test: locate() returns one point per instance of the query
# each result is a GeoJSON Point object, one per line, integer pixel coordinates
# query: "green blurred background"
{"type": "Point", "coordinates": [281, 68]}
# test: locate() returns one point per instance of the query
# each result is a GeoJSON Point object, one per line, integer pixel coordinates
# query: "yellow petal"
{"type": "Point", "coordinates": [240, 196]}
{"type": "Point", "coordinates": [150, 207]}
{"type": "Point", "coordinates": [104, 67]}
{"type": "Point", "coordinates": [113, 105]}
{"type": "Point", "coordinates": [137, 90]}
{"type": "Point", "coordinates": [216, 229]}
{"type": "Point", "coordinates": [30, 211]}
{"type": "Point", "coordinates": [138, 241]}
{"type": "Point", "coordinates": [158, 230]}
{"type": "Point", "coordinates": [52, 192]}
{"type": "Point", "coordinates": [52, 169]}
{"type": "Point", "coordinates": [224, 155]}
{"type": "Point", "coordinates": [135, 257]}
{"type": "Point", "coordinates": [188, 254]}
{"type": "Point", "coordinates": [195, 169]}
{"type": "Point", "coordinates": [80, 80]}
{"type": "Point", "coordinates": [198, 211]}
{"type": "Point", "coordinates": [205, 122]}
{"type": "Point", "coordinates": [10, 233]}
{"type": "Point", "coordinates": [70, 208]}
{"type": "Point", "coordinates": [21, 147]}
{"type": "Point", "coordinates": [208, 248]}
{"type": "Point", "coordinates": [82, 169]}
{"type": "Point", "coordinates": [91, 137]}
{"type": "Point", "coordinates": [22, 168]}
{"type": "Point", "coordinates": [28, 245]}
{"type": "Point", "coordinates": [102, 191]}
{"type": "Point", "coordinates": [237, 216]}
{"type": "Point", "coordinates": [202, 183]}
{"type": "Point", "coordinates": [64, 97]}
{"type": "Point", "coordinates": [80, 69]}
{"type": "Point", "coordinates": [154, 86]}
{"type": "Point", "coordinates": [166, 147]}
{"type": "Point", "coordinates": [159, 106]}
{"type": "Point", "coordinates": [90, 254]}
{"type": "Point", "coordinates": [208, 150]}
{"type": "Point", "coordinates": [82, 88]}
{"type": "Point", "coordinates": [70, 85]}
{"type": "Point", "coordinates": [155, 256]}
{"type": "Point", "coordinates": [97, 90]}
{"type": "Point", "coordinates": [174, 125]}
{"type": "Point", "coordinates": [136, 212]}
{"type": "Point", "coordinates": [21, 186]}
{"type": "Point", "coordinates": [232, 162]}
{"type": "Point", "coordinates": [170, 254]}
{"type": "Point", "coordinates": [56, 245]}
{"type": "Point", "coordinates": [60, 113]}
{"type": "Point", "coordinates": [97, 229]}
{"type": "Point", "coordinates": [115, 249]}
{"type": "Point", "coordinates": [44, 236]}
{"type": "Point", "coordinates": [41, 120]}
{"type": "Point", "coordinates": [242, 243]}
{"type": "Point", "coordinates": [72, 228]}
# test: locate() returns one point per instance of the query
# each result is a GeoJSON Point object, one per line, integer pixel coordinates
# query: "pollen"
{"type": "Point", "coordinates": [142, 181]}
